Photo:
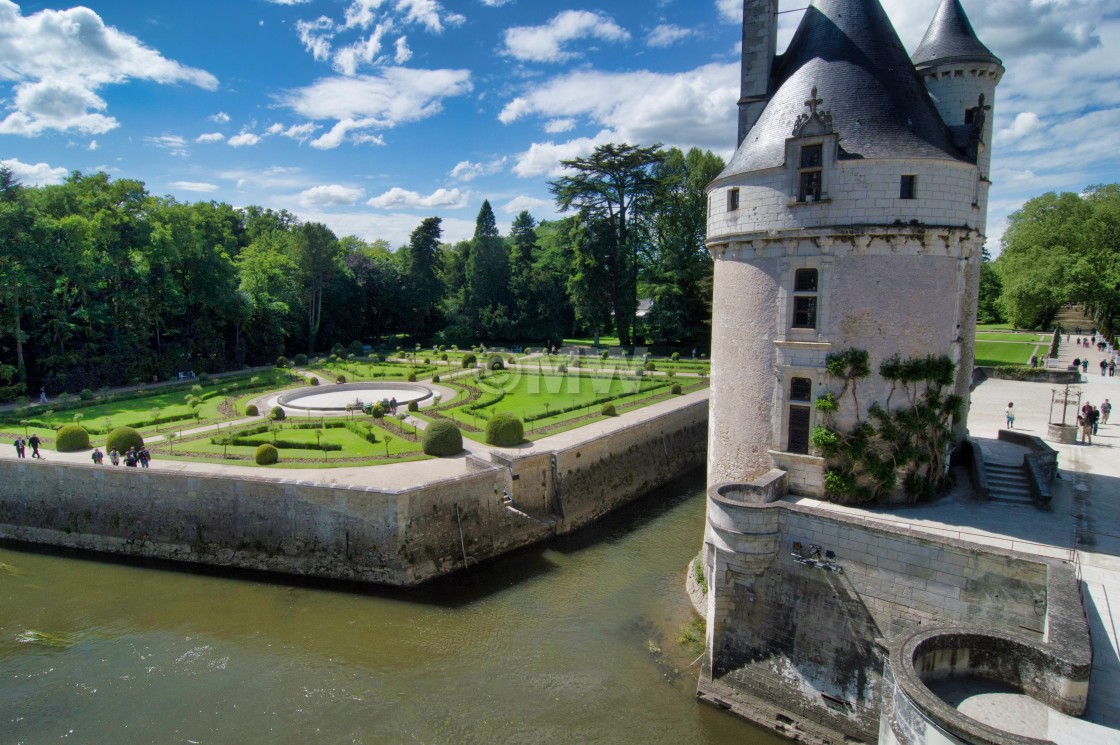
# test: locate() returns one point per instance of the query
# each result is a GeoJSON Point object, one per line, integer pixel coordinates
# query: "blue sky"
{"type": "Point", "coordinates": [370, 115]}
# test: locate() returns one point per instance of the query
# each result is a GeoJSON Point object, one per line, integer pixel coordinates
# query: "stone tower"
{"type": "Point", "coordinates": [852, 215]}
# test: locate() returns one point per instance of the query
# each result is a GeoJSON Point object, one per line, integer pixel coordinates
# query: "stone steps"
{"type": "Point", "coordinates": [1008, 484]}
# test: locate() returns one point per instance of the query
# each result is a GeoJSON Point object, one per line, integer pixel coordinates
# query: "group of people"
{"type": "Point", "coordinates": [1090, 418]}
{"type": "Point", "coordinates": [132, 457]}
{"type": "Point", "coordinates": [33, 441]}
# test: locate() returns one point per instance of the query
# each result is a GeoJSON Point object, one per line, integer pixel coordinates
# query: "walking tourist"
{"type": "Point", "coordinates": [145, 457]}
{"type": "Point", "coordinates": [1094, 418]}
{"type": "Point", "coordinates": [1111, 368]}
{"type": "Point", "coordinates": [114, 457]}
{"type": "Point", "coordinates": [43, 395]}
{"type": "Point", "coordinates": [1106, 409]}
{"type": "Point", "coordinates": [21, 447]}
{"type": "Point", "coordinates": [1086, 428]}
{"type": "Point", "coordinates": [97, 456]}
{"type": "Point", "coordinates": [1010, 414]}
{"type": "Point", "coordinates": [130, 458]}
{"type": "Point", "coordinates": [1085, 365]}
{"type": "Point", "coordinates": [1104, 368]}
{"type": "Point", "coordinates": [35, 442]}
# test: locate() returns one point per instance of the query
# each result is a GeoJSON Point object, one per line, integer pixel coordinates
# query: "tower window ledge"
{"type": "Point", "coordinates": [813, 346]}
{"type": "Point", "coordinates": [782, 456]}
{"type": "Point", "coordinates": [823, 200]}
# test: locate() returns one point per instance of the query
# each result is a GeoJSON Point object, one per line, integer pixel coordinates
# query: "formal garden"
{"type": "Point", "coordinates": [999, 345]}
{"type": "Point", "coordinates": [500, 397]}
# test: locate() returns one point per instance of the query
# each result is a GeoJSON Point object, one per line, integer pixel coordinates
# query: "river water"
{"type": "Point", "coordinates": [574, 642]}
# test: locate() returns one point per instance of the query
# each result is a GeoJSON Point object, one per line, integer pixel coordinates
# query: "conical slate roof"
{"type": "Point", "coordinates": [950, 37]}
{"type": "Point", "coordinates": [850, 52]}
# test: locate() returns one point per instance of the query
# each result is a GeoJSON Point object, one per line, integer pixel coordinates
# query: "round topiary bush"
{"type": "Point", "coordinates": [377, 411]}
{"type": "Point", "coordinates": [412, 377]}
{"type": "Point", "coordinates": [676, 389]}
{"type": "Point", "coordinates": [86, 394]}
{"type": "Point", "coordinates": [252, 410]}
{"type": "Point", "coordinates": [469, 360]}
{"type": "Point", "coordinates": [123, 438]}
{"type": "Point", "coordinates": [71, 438]}
{"type": "Point", "coordinates": [301, 359]}
{"type": "Point", "coordinates": [504, 430]}
{"type": "Point", "coordinates": [266, 455]}
{"type": "Point", "coordinates": [609, 409]}
{"type": "Point", "coordinates": [313, 381]}
{"type": "Point", "coordinates": [277, 414]}
{"type": "Point", "coordinates": [495, 362]}
{"type": "Point", "coordinates": [340, 379]}
{"type": "Point", "coordinates": [413, 406]}
{"type": "Point", "coordinates": [355, 347]}
{"type": "Point", "coordinates": [281, 361]}
{"type": "Point", "coordinates": [650, 366]}
{"type": "Point", "coordinates": [442, 348]}
{"type": "Point", "coordinates": [435, 378]}
{"type": "Point", "coordinates": [337, 349]}
{"type": "Point", "coordinates": [442, 439]}
{"type": "Point", "coordinates": [675, 356]}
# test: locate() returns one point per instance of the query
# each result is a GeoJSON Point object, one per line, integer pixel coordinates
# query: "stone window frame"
{"type": "Point", "coordinates": [787, 273]}
{"type": "Point", "coordinates": [785, 375]}
{"type": "Point", "coordinates": [733, 197]}
{"type": "Point", "coordinates": [794, 148]}
{"type": "Point", "coordinates": [908, 186]}
{"type": "Point", "coordinates": [802, 405]}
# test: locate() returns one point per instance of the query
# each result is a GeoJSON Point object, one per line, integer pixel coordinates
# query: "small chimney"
{"type": "Point", "coordinates": [760, 44]}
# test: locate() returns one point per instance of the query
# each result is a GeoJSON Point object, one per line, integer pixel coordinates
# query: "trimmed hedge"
{"type": "Point", "coordinates": [442, 439]}
{"type": "Point", "coordinates": [71, 438]}
{"type": "Point", "coordinates": [340, 379]}
{"type": "Point", "coordinates": [495, 362]}
{"type": "Point", "coordinates": [301, 359]}
{"type": "Point", "coordinates": [469, 360]}
{"type": "Point", "coordinates": [676, 389]}
{"type": "Point", "coordinates": [281, 361]}
{"type": "Point", "coordinates": [277, 414]}
{"type": "Point", "coordinates": [609, 410]}
{"type": "Point", "coordinates": [412, 377]}
{"type": "Point", "coordinates": [435, 378]}
{"type": "Point", "coordinates": [413, 406]}
{"type": "Point", "coordinates": [123, 438]}
{"type": "Point", "coordinates": [504, 430]}
{"type": "Point", "coordinates": [252, 410]}
{"type": "Point", "coordinates": [266, 455]}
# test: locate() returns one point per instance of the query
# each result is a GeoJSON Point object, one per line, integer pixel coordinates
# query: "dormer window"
{"type": "Point", "coordinates": [809, 173]}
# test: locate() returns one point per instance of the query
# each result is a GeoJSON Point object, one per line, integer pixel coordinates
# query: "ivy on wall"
{"type": "Point", "coordinates": [907, 444]}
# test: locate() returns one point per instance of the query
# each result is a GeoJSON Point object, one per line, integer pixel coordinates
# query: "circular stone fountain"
{"type": "Point", "coordinates": [337, 398]}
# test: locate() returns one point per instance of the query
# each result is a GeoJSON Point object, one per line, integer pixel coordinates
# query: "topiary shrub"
{"type": "Point", "coordinates": [442, 439]}
{"type": "Point", "coordinates": [609, 409]}
{"type": "Point", "coordinates": [301, 359]}
{"type": "Point", "coordinates": [123, 438]}
{"type": "Point", "coordinates": [71, 438]}
{"type": "Point", "coordinates": [252, 410]}
{"type": "Point", "coordinates": [203, 378]}
{"type": "Point", "coordinates": [504, 430]}
{"type": "Point", "coordinates": [313, 381]}
{"type": "Point", "coordinates": [675, 389]}
{"type": "Point", "coordinates": [413, 406]}
{"type": "Point", "coordinates": [277, 414]}
{"type": "Point", "coordinates": [412, 377]}
{"type": "Point", "coordinates": [266, 455]}
{"type": "Point", "coordinates": [281, 361]}
{"type": "Point", "coordinates": [443, 357]}
{"type": "Point", "coordinates": [469, 360]}
{"type": "Point", "coordinates": [442, 348]}
{"type": "Point", "coordinates": [435, 378]}
{"type": "Point", "coordinates": [340, 379]}
{"type": "Point", "coordinates": [650, 366]}
{"type": "Point", "coordinates": [377, 411]}
{"type": "Point", "coordinates": [337, 349]}
{"type": "Point", "coordinates": [86, 394]}
{"type": "Point", "coordinates": [675, 356]}
{"type": "Point", "coordinates": [355, 348]}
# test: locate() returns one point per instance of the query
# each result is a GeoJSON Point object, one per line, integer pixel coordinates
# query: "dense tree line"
{"type": "Point", "coordinates": [1058, 248]}
{"type": "Point", "coordinates": [103, 283]}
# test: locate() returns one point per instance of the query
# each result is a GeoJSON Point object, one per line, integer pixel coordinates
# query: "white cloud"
{"type": "Point", "coordinates": [333, 195]}
{"type": "Point", "coordinates": [397, 96]}
{"type": "Point", "coordinates": [210, 137]}
{"type": "Point", "coordinates": [546, 43]}
{"type": "Point", "coordinates": [173, 144]}
{"type": "Point", "coordinates": [57, 61]}
{"type": "Point", "coordinates": [34, 174]}
{"type": "Point", "coordinates": [666, 35]}
{"type": "Point", "coordinates": [289, 2]}
{"type": "Point", "coordinates": [398, 198]}
{"type": "Point", "coordinates": [244, 139]}
{"type": "Point", "coordinates": [556, 126]}
{"type": "Point", "coordinates": [299, 132]}
{"type": "Point", "coordinates": [1026, 123]}
{"type": "Point", "coordinates": [316, 36]}
{"type": "Point", "coordinates": [394, 227]}
{"type": "Point", "coordinates": [467, 171]}
{"type": "Point", "coordinates": [402, 53]}
{"type": "Point", "coordinates": [273, 178]}
{"type": "Point", "coordinates": [197, 186]}
{"type": "Point", "coordinates": [692, 108]}
{"type": "Point", "coordinates": [730, 10]}
{"type": "Point", "coordinates": [92, 146]}
{"type": "Point", "coordinates": [518, 204]}
{"type": "Point", "coordinates": [221, 117]}
{"type": "Point", "coordinates": [495, 3]}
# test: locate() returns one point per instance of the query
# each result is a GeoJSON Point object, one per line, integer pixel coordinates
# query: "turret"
{"type": "Point", "coordinates": [961, 75]}
{"type": "Point", "coordinates": [760, 44]}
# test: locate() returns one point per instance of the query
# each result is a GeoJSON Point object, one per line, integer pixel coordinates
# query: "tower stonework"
{"type": "Point", "coordinates": [851, 217]}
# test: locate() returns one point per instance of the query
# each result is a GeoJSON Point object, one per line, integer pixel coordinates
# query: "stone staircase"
{"type": "Point", "coordinates": [1008, 484]}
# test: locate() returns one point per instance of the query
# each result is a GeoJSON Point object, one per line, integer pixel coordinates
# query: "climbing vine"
{"type": "Point", "coordinates": [908, 443]}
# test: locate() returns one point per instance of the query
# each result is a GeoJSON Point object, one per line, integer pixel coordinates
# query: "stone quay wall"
{"type": "Point", "coordinates": [799, 648]}
{"type": "Point", "coordinates": [348, 533]}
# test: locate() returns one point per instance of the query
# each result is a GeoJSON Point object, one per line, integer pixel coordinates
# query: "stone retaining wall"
{"type": "Point", "coordinates": [352, 533]}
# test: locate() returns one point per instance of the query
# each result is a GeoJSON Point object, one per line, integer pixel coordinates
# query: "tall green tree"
{"type": "Point", "coordinates": [488, 278]}
{"type": "Point", "coordinates": [421, 264]}
{"type": "Point", "coordinates": [318, 257]}
{"type": "Point", "coordinates": [614, 187]}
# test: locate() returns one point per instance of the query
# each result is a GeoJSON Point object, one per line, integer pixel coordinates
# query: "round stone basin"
{"type": "Point", "coordinates": [339, 397]}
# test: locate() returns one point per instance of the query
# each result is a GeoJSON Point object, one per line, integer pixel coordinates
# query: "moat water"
{"type": "Point", "coordinates": [575, 642]}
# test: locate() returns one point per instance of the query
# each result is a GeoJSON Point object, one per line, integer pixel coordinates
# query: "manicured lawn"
{"type": "Point", "coordinates": [994, 327]}
{"type": "Point", "coordinates": [1002, 353]}
{"type": "Point", "coordinates": [357, 370]}
{"type": "Point", "coordinates": [604, 341]}
{"type": "Point", "coordinates": [1030, 336]}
